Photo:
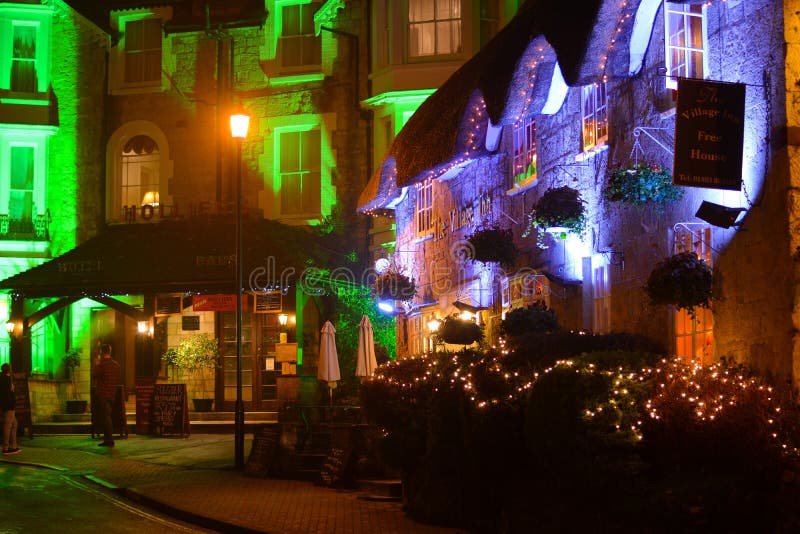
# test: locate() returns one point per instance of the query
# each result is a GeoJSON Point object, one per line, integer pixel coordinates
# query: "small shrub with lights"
{"type": "Point", "coordinates": [457, 331]}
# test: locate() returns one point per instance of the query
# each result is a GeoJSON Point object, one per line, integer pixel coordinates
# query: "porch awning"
{"type": "Point", "coordinates": [195, 255]}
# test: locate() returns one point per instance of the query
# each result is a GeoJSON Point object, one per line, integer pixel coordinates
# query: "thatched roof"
{"type": "Point", "coordinates": [511, 75]}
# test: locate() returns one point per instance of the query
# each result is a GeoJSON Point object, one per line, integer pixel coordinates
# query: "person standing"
{"type": "Point", "coordinates": [106, 378]}
{"type": "Point", "coordinates": [7, 409]}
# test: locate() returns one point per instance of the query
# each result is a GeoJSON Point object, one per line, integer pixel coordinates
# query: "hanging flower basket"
{"type": "Point", "coordinates": [682, 280]}
{"type": "Point", "coordinates": [492, 243]}
{"type": "Point", "coordinates": [641, 184]}
{"type": "Point", "coordinates": [559, 210]}
{"type": "Point", "coordinates": [394, 285]}
{"type": "Point", "coordinates": [457, 331]}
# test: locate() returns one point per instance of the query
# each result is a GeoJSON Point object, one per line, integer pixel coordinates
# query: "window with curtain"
{"type": "Point", "coordinates": [300, 173]}
{"type": "Point", "coordinates": [143, 51]}
{"type": "Point", "coordinates": [298, 45]}
{"type": "Point", "coordinates": [140, 163]}
{"type": "Point", "coordinates": [594, 114]}
{"type": "Point", "coordinates": [434, 27]}
{"type": "Point", "coordinates": [685, 47]}
{"type": "Point", "coordinates": [20, 194]}
{"type": "Point", "coordinates": [23, 59]}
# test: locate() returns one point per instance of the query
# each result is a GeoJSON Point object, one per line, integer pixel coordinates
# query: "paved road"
{"type": "Point", "coordinates": [44, 500]}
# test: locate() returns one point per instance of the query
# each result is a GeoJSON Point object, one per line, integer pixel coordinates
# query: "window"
{"type": "Point", "coordinates": [20, 194]}
{"type": "Point", "coordinates": [594, 112]}
{"type": "Point", "coordinates": [685, 46]}
{"type": "Point", "coordinates": [490, 20]}
{"type": "Point", "coordinates": [424, 210]}
{"type": "Point", "coordinates": [140, 173]}
{"type": "Point", "coordinates": [300, 172]}
{"type": "Point", "coordinates": [298, 45]}
{"type": "Point", "coordinates": [601, 300]}
{"type": "Point", "coordinates": [524, 161]}
{"type": "Point", "coordinates": [694, 335]}
{"type": "Point", "coordinates": [434, 27]}
{"type": "Point", "coordinates": [143, 51]}
{"type": "Point", "coordinates": [23, 59]}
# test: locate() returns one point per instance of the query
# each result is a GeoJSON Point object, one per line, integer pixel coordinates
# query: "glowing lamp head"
{"type": "Point", "coordinates": [142, 327]}
{"type": "Point", "coordinates": [10, 327]}
{"type": "Point", "coordinates": [382, 265]}
{"type": "Point", "coordinates": [283, 319]}
{"type": "Point", "coordinates": [467, 315]}
{"type": "Point", "coordinates": [239, 124]}
{"type": "Point", "coordinates": [433, 325]}
{"type": "Point", "coordinates": [386, 306]}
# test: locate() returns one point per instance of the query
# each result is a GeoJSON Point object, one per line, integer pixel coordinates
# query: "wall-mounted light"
{"type": "Point", "coordinates": [142, 327]}
{"type": "Point", "coordinates": [467, 315]}
{"type": "Point", "coordinates": [721, 216]}
{"type": "Point", "coordinates": [433, 325]}
{"type": "Point", "coordinates": [240, 121]}
{"type": "Point", "coordinates": [386, 306]}
{"type": "Point", "coordinates": [283, 319]}
{"type": "Point", "coordinates": [10, 327]}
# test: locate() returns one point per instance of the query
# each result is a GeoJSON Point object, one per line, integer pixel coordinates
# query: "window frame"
{"type": "Point", "coordinates": [423, 208]}
{"type": "Point", "coordinates": [594, 104]}
{"type": "Point", "coordinates": [303, 214]}
{"type": "Point", "coordinates": [695, 332]}
{"type": "Point", "coordinates": [280, 5]}
{"type": "Point", "coordinates": [684, 11]}
{"type": "Point", "coordinates": [118, 54]}
{"type": "Point", "coordinates": [601, 298]}
{"type": "Point", "coordinates": [524, 153]}
{"type": "Point", "coordinates": [39, 17]}
{"type": "Point", "coordinates": [458, 49]}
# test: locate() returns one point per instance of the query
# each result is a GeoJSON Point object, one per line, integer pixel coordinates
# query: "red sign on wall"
{"type": "Point", "coordinates": [217, 303]}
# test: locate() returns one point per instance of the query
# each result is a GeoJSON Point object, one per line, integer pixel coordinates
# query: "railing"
{"type": "Point", "coordinates": [35, 229]}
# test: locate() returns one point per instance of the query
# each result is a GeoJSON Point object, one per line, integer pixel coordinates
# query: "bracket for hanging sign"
{"type": "Point", "coordinates": [637, 145]}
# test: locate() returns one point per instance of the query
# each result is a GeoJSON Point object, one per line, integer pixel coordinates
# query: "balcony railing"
{"type": "Point", "coordinates": [34, 229]}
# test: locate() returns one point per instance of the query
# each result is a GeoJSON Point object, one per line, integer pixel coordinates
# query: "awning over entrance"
{"type": "Point", "coordinates": [194, 255]}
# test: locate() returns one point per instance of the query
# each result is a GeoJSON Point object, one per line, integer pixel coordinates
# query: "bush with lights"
{"type": "Point", "coordinates": [457, 331]}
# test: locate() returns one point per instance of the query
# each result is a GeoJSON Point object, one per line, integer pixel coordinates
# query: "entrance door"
{"type": "Point", "coordinates": [260, 332]}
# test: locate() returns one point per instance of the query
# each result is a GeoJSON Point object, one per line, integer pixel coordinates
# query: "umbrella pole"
{"type": "Point", "coordinates": [330, 395]}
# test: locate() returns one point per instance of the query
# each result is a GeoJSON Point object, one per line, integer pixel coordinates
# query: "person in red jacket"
{"type": "Point", "coordinates": [106, 378]}
{"type": "Point", "coordinates": [7, 409]}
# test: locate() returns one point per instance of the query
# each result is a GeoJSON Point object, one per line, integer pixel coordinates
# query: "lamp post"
{"type": "Point", "coordinates": [239, 123]}
{"type": "Point", "coordinates": [433, 328]}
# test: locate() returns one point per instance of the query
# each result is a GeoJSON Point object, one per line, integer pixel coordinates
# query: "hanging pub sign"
{"type": "Point", "coordinates": [709, 134]}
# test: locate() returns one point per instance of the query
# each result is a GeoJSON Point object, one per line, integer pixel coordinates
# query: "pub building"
{"type": "Point", "coordinates": [558, 102]}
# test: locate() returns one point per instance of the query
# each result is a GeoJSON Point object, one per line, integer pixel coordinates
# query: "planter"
{"type": "Point", "coordinates": [682, 280]}
{"type": "Point", "coordinates": [203, 405]}
{"type": "Point", "coordinates": [76, 406]}
{"type": "Point", "coordinates": [558, 210]}
{"type": "Point", "coordinates": [393, 285]}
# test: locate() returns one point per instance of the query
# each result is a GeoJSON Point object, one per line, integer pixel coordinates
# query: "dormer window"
{"type": "Point", "coordinates": [685, 41]}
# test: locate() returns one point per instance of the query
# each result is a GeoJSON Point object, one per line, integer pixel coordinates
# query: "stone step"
{"type": "Point", "coordinates": [380, 489]}
{"type": "Point", "coordinates": [195, 427]}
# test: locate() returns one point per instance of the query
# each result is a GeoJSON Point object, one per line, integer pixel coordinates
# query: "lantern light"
{"type": "Point", "coordinates": [240, 121]}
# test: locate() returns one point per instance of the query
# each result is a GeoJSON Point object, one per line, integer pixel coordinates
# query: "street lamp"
{"type": "Point", "coordinates": [433, 328]}
{"type": "Point", "coordinates": [239, 123]}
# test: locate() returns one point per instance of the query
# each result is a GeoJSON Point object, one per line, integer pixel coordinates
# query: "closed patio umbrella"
{"type": "Point", "coordinates": [365, 362]}
{"type": "Point", "coordinates": [328, 369]}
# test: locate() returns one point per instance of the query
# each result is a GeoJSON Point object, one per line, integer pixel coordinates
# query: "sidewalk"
{"type": "Point", "coordinates": [194, 480]}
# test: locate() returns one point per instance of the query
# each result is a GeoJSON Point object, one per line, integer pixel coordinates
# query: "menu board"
{"type": "Point", "coordinates": [170, 409]}
{"type": "Point", "coordinates": [144, 402]}
{"type": "Point", "coordinates": [22, 402]}
{"type": "Point", "coordinates": [265, 447]}
{"type": "Point", "coordinates": [267, 302]}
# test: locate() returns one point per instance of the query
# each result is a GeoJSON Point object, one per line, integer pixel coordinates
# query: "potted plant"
{"type": "Point", "coordinates": [394, 285]}
{"type": "Point", "coordinates": [196, 355]}
{"type": "Point", "coordinates": [559, 210]}
{"type": "Point", "coordinates": [683, 280]}
{"type": "Point", "coordinates": [492, 243]}
{"type": "Point", "coordinates": [72, 360]}
{"type": "Point", "coordinates": [457, 331]}
{"type": "Point", "coordinates": [641, 184]}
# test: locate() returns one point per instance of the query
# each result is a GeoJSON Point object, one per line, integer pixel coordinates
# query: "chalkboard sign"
{"type": "Point", "coordinates": [169, 305]}
{"type": "Point", "coordinates": [22, 403]}
{"type": "Point", "coordinates": [262, 455]}
{"type": "Point", "coordinates": [335, 470]}
{"type": "Point", "coordinates": [170, 409]}
{"type": "Point", "coordinates": [267, 302]}
{"type": "Point", "coordinates": [144, 402]}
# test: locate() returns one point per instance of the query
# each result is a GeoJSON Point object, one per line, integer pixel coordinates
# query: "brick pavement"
{"type": "Point", "coordinates": [194, 479]}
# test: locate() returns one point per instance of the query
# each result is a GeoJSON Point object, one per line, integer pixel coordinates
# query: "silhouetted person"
{"type": "Point", "coordinates": [106, 379]}
{"type": "Point", "coordinates": [7, 409]}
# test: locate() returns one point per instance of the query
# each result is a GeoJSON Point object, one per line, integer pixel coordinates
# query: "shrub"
{"type": "Point", "coordinates": [682, 280]}
{"type": "Point", "coordinates": [534, 318]}
{"type": "Point", "coordinates": [458, 331]}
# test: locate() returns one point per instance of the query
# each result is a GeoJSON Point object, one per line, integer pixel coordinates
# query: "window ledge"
{"type": "Point", "coordinates": [422, 239]}
{"type": "Point", "coordinates": [135, 90]}
{"type": "Point", "coordinates": [522, 186]}
{"type": "Point", "coordinates": [583, 156]}
{"type": "Point", "coordinates": [26, 101]}
{"type": "Point", "coordinates": [291, 79]}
